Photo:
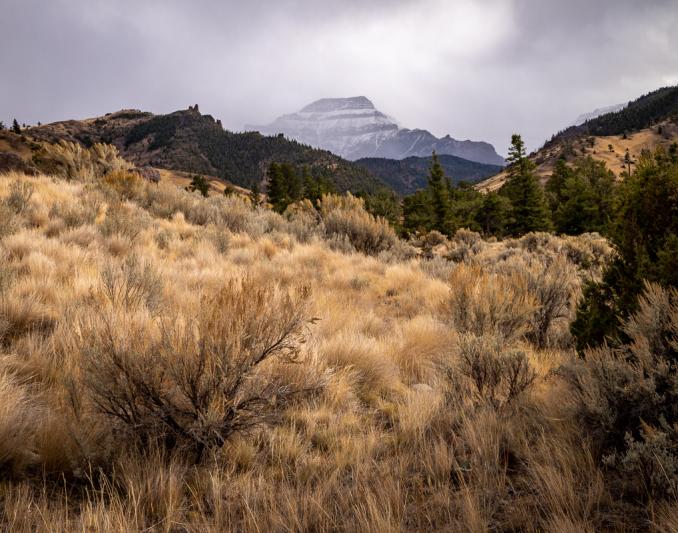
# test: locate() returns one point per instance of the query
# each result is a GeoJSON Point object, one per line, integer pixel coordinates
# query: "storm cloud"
{"type": "Point", "coordinates": [474, 69]}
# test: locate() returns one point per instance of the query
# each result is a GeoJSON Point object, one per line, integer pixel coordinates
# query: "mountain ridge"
{"type": "Point", "coordinates": [409, 175]}
{"type": "Point", "coordinates": [355, 129]}
{"type": "Point", "coordinates": [186, 140]}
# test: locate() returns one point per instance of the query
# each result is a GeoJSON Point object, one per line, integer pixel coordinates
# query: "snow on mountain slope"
{"type": "Point", "coordinates": [598, 112]}
{"type": "Point", "coordinates": [353, 128]}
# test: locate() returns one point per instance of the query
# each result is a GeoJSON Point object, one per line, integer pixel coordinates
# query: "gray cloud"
{"type": "Point", "coordinates": [475, 69]}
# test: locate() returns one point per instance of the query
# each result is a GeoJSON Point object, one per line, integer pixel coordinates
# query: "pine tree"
{"type": "Point", "coordinates": [529, 211]}
{"type": "Point", "coordinates": [577, 211]}
{"type": "Point", "coordinates": [2, 125]}
{"type": "Point", "coordinates": [492, 216]}
{"type": "Point", "coordinates": [438, 190]}
{"type": "Point", "coordinates": [254, 195]}
{"type": "Point", "coordinates": [417, 215]}
{"type": "Point", "coordinates": [199, 183]}
{"type": "Point", "coordinates": [275, 188]}
{"type": "Point", "coordinates": [15, 127]}
{"type": "Point", "coordinates": [292, 182]}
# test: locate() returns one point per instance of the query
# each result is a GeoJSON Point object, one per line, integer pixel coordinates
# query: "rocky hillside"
{"type": "Point", "coordinates": [409, 175]}
{"type": "Point", "coordinates": [189, 141]}
{"type": "Point", "coordinates": [353, 128]}
{"type": "Point", "coordinates": [643, 124]}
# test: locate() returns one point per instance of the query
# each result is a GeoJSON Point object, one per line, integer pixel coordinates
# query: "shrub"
{"type": "Point", "coordinates": [499, 375]}
{"type": "Point", "coordinates": [11, 223]}
{"type": "Point", "coordinates": [124, 220]}
{"type": "Point", "coordinates": [346, 216]}
{"type": "Point", "coordinates": [627, 399]}
{"type": "Point", "coordinates": [194, 383]}
{"type": "Point", "coordinates": [554, 288]}
{"type": "Point", "coordinates": [481, 303]}
{"type": "Point", "coordinates": [71, 160]}
{"type": "Point", "coordinates": [20, 193]}
{"type": "Point", "coordinates": [127, 184]}
{"type": "Point", "coordinates": [19, 419]}
{"type": "Point", "coordinates": [132, 285]}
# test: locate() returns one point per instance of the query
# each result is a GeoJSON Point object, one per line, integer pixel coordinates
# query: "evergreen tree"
{"type": "Point", "coordinates": [254, 195]}
{"type": "Point", "coordinates": [276, 188]}
{"type": "Point", "coordinates": [577, 211]}
{"type": "Point", "coordinates": [2, 125]}
{"type": "Point", "coordinates": [555, 184]}
{"type": "Point", "coordinates": [293, 185]}
{"type": "Point", "coordinates": [529, 211]}
{"type": "Point", "coordinates": [15, 127]}
{"type": "Point", "coordinates": [417, 213]}
{"type": "Point", "coordinates": [438, 190]}
{"type": "Point", "coordinates": [492, 216]}
{"type": "Point", "coordinates": [581, 196]}
{"type": "Point", "coordinates": [383, 203]}
{"type": "Point", "coordinates": [464, 202]}
{"type": "Point", "coordinates": [200, 184]}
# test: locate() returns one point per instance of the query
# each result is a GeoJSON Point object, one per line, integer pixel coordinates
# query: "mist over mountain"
{"type": "Point", "coordinates": [354, 129]}
{"type": "Point", "coordinates": [598, 112]}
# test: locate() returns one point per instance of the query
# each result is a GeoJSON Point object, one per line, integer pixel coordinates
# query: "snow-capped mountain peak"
{"type": "Point", "coordinates": [354, 128]}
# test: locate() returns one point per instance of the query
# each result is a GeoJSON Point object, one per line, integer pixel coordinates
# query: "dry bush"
{"type": "Point", "coordinates": [193, 384]}
{"type": "Point", "coordinates": [464, 246]}
{"type": "Point", "coordinates": [132, 285]}
{"type": "Point", "coordinates": [20, 416]}
{"type": "Point", "coordinates": [20, 193]}
{"type": "Point", "coordinates": [627, 400]}
{"type": "Point", "coordinates": [11, 222]}
{"type": "Point", "coordinates": [20, 316]}
{"type": "Point", "coordinates": [304, 220]}
{"type": "Point", "coordinates": [13, 207]}
{"type": "Point", "coordinates": [128, 185]}
{"type": "Point", "coordinates": [345, 216]}
{"type": "Point", "coordinates": [555, 288]}
{"type": "Point", "coordinates": [165, 202]}
{"type": "Point", "coordinates": [124, 220]}
{"type": "Point", "coordinates": [499, 375]}
{"type": "Point", "coordinates": [482, 303]}
{"type": "Point", "coordinates": [71, 160]}
{"type": "Point", "coordinates": [74, 214]}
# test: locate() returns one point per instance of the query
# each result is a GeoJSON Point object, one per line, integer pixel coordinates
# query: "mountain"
{"type": "Point", "coordinates": [643, 124]}
{"type": "Point", "coordinates": [597, 112]}
{"type": "Point", "coordinates": [354, 129]}
{"type": "Point", "coordinates": [409, 175]}
{"type": "Point", "coordinates": [189, 141]}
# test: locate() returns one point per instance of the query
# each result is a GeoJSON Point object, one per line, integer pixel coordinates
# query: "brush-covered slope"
{"type": "Point", "coordinates": [133, 319]}
{"type": "Point", "coordinates": [189, 141]}
{"type": "Point", "coordinates": [409, 175]}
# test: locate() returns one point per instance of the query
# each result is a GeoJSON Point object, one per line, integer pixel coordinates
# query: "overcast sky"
{"type": "Point", "coordinates": [477, 69]}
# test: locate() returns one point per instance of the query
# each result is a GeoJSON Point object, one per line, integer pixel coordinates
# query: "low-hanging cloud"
{"type": "Point", "coordinates": [473, 69]}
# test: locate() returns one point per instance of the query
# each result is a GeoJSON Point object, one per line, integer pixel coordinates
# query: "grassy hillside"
{"type": "Point", "coordinates": [173, 362]}
{"type": "Point", "coordinates": [411, 174]}
{"type": "Point", "coordinates": [191, 142]}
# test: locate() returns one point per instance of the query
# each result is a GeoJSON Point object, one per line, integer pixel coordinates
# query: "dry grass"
{"type": "Point", "coordinates": [400, 393]}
